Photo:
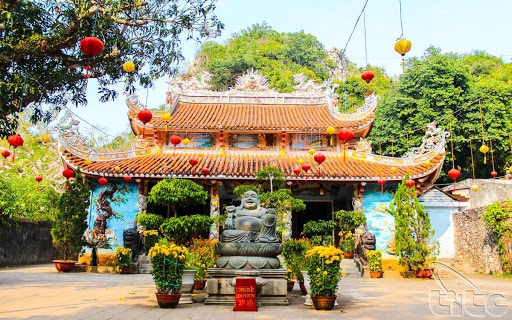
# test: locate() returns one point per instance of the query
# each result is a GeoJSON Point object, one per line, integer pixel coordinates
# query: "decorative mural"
{"type": "Point", "coordinates": [380, 223]}
{"type": "Point", "coordinates": [113, 209]}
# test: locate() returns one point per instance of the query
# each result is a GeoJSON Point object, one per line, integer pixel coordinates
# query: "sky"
{"type": "Point", "coordinates": [458, 26]}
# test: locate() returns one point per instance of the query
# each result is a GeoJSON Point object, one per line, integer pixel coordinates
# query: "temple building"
{"type": "Point", "coordinates": [222, 139]}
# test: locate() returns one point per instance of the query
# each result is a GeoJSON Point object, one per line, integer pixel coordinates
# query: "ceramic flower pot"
{"type": "Point", "coordinates": [348, 255]}
{"type": "Point", "coordinates": [167, 300]}
{"type": "Point", "coordinates": [323, 303]}
{"type": "Point", "coordinates": [424, 274]}
{"type": "Point", "coordinates": [375, 274]}
{"type": "Point", "coordinates": [289, 285]}
{"type": "Point", "coordinates": [199, 285]}
{"type": "Point", "coordinates": [64, 265]}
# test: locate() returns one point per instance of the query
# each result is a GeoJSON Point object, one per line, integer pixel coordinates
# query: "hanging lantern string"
{"type": "Point", "coordinates": [492, 154]}
{"type": "Point", "coordinates": [451, 142]}
{"type": "Point", "coordinates": [365, 48]}
{"type": "Point", "coordinates": [401, 24]}
{"type": "Point", "coordinates": [472, 160]}
{"type": "Point", "coordinates": [482, 121]}
{"type": "Point", "coordinates": [353, 29]}
{"type": "Point", "coordinates": [95, 19]}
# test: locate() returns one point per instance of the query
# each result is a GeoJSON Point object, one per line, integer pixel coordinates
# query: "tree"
{"type": "Point", "coordinates": [175, 193]}
{"type": "Point", "coordinates": [413, 232]}
{"type": "Point", "coordinates": [40, 59]}
{"type": "Point", "coordinates": [278, 56]}
{"type": "Point", "coordinates": [71, 220]}
{"type": "Point", "coordinates": [450, 89]}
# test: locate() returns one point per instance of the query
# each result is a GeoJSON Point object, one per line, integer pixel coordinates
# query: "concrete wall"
{"type": "Point", "coordinates": [26, 243]}
{"type": "Point", "coordinates": [490, 190]}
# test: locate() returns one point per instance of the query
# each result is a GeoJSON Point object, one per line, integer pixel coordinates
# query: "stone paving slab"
{"type": "Point", "coordinates": [40, 292]}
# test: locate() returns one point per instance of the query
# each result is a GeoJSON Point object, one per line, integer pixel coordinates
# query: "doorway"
{"type": "Point", "coordinates": [315, 210]}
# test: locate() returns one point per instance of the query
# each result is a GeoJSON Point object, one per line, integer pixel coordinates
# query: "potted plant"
{"type": "Point", "coordinates": [168, 260]}
{"type": "Point", "coordinates": [175, 193]}
{"type": "Point", "coordinates": [201, 257]}
{"type": "Point", "coordinates": [348, 245]}
{"type": "Point", "coordinates": [148, 226]}
{"type": "Point", "coordinates": [150, 238]}
{"type": "Point", "coordinates": [294, 251]}
{"type": "Point", "coordinates": [181, 230]}
{"type": "Point", "coordinates": [70, 222]}
{"type": "Point", "coordinates": [323, 266]}
{"type": "Point", "coordinates": [374, 263]}
{"type": "Point", "coordinates": [123, 259]}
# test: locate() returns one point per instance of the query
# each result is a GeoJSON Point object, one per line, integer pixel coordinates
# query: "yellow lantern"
{"type": "Point", "coordinates": [475, 187]}
{"type": "Point", "coordinates": [222, 152]}
{"type": "Point", "coordinates": [117, 169]}
{"type": "Point", "coordinates": [282, 153]}
{"type": "Point", "coordinates": [128, 66]}
{"type": "Point", "coordinates": [311, 151]}
{"type": "Point", "coordinates": [484, 149]}
{"type": "Point", "coordinates": [330, 130]}
{"type": "Point", "coordinates": [166, 116]}
{"type": "Point", "coordinates": [301, 161]}
{"type": "Point", "coordinates": [402, 46]}
{"type": "Point", "coordinates": [200, 154]}
{"type": "Point", "coordinates": [427, 163]}
{"type": "Point", "coordinates": [88, 162]}
{"type": "Point", "coordinates": [185, 141]}
{"type": "Point", "coordinates": [46, 138]}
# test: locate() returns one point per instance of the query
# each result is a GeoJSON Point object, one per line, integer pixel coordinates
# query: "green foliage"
{"type": "Point", "coordinates": [71, 220]}
{"type": "Point", "coordinates": [498, 217]}
{"type": "Point", "coordinates": [320, 231]}
{"type": "Point", "coordinates": [374, 260]}
{"type": "Point", "coordinates": [150, 238]}
{"type": "Point", "coordinates": [123, 257]}
{"type": "Point", "coordinates": [348, 221]}
{"type": "Point", "coordinates": [413, 232]}
{"type": "Point", "coordinates": [168, 262]}
{"type": "Point", "coordinates": [182, 230]}
{"type": "Point", "coordinates": [324, 270]}
{"type": "Point", "coordinates": [277, 55]}
{"type": "Point", "coordinates": [176, 193]}
{"type": "Point", "coordinates": [273, 175]}
{"type": "Point", "coordinates": [40, 55]}
{"type": "Point", "coordinates": [294, 253]}
{"type": "Point", "coordinates": [449, 88]}
{"type": "Point", "coordinates": [150, 221]}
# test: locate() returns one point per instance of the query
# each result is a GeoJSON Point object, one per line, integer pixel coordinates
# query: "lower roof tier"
{"type": "Point", "coordinates": [340, 167]}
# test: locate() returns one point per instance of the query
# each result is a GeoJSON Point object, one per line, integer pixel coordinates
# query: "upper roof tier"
{"type": "Point", "coordinates": [252, 106]}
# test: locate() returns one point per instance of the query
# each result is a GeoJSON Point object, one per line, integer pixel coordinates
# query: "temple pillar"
{"type": "Point", "coordinates": [214, 210]}
{"type": "Point", "coordinates": [143, 195]}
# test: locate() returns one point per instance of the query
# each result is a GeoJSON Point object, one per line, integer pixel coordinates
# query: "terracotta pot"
{"type": "Point", "coordinates": [323, 303]}
{"type": "Point", "coordinates": [348, 255]}
{"type": "Point", "coordinates": [64, 265]}
{"type": "Point", "coordinates": [167, 300]}
{"type": "Point", "coordinates": [424, 274]}
{"type": "Point", "coordinates": [375, 274]}
{"type": "Point", "coordinates": [125, 270]}
{"type": "Point", "coordinates": [199, 284]}
{"type": "Point", "coordinates": [289, 285]}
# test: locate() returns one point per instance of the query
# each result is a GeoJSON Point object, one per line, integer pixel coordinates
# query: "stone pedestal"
{"type": "Point", "coordinates": [221, 291]}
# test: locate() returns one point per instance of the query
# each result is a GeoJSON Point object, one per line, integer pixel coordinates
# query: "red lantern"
{"type": "Point", "coordinates": [297, 171]}
{"type": "Point", "coordinates": [319, 158]}
{"type": "Point", "coordinates": [5, 154]}
{"type": "Point", "coordinates": [494, 174]}
{"type": "Point", "coordinates": [15, 141]}
{"type": "Point", "coordinates": [193, 162]}
{"type": "Point", "coordinates": [127, 179]}
{"type": "Point", "coordinates": [144, 116]}
{"type": "Point", "coordinates": [68, 173]}
{"type": "Point", "coordinates": [410, 183]}
{"type": "Point", "coordinates": [175, 140]}
{"type": "Point", "coordinates": [367, 76]}
{"type": "Point", "coordinates": [205, 171]}
{"type": "Point", "coordinates": [39, 178]}
{"type": "Point", "coordinates": [381, 182]}
{"type": "Point", "coordinates": [345, 135]}
{"type": "Point", "coordinates": [454, 174]}
{"type": "Point", "coordinates": [306, 168]}
{"type": "Point", "coordinates": [90, 46]}
{"type": "Point", "coordinates": [102, 181]}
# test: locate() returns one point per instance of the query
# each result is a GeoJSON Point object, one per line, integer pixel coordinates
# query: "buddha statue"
{"type": "Point", "coordinates": [249, 238]}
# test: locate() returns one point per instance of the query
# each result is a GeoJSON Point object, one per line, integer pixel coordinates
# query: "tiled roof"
{"type": "Point", "coordinates": [241, 117]}
{"type": "Point", "coordinates": [337, 167]}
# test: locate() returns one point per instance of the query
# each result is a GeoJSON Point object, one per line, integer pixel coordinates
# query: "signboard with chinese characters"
{"type": "Point", "coordinates": [245, 294]}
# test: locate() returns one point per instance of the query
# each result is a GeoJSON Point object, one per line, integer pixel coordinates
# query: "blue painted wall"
{"type": "Point", "coordinates": [379, 222]}
{"type": "Point", "coordinates": [126, 211]}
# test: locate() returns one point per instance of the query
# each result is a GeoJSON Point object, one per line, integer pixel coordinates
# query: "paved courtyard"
{"type": "Point", "coordinates": [40, 292]}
